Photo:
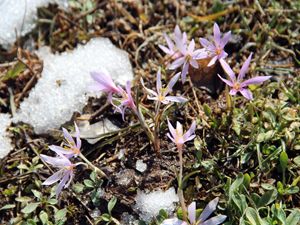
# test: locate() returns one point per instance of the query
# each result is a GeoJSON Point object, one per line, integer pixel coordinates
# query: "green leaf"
{"type": "Point", "coordinates": [44, 217]}
{"type": "Point", "coordinates": [30, 208]}
{"type": "Point", "coordinates": [105, 217]}
{"type": "Point", "coordinates": [60, 215]}
{"type": "Point", "coordinates": [93, 176]}
{"type": "Point", "coordinates": [23, 199]}
{"type": "Point", "coordinates": [14, 72]}
{"type": "Point", "coordinates": [253, 216]}
{"type": "Point", "coordinates": [207, 110]}
{"type": "Point", "coordinates": [52, 201]}
{"type": "Point", "coordinates": [8, 206]}
{"type": "Point", "coordinates": [37, 194]}
{"type": "Point", "coordinates": [292, 190]}
{"type": "Point", "coordinates": [283, 161]}
{"type": "Point", "coordinates": [293, 218]}
{"type": "Point", "coordinates": [78, 187]}
{"type": "Point", "coordinates": [111, 204]}
{"type": "Point", "coordinates": [297, 160]}
{"type": "Point", "coordinates": [267, 198]}
{"type": "Point", "coordinates": [88, 183]}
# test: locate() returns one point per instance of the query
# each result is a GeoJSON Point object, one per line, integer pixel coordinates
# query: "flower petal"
{"type": "Point", "coordinates": [244, 68]}
{"type": "Point", "coordinates": [61, 184]}
{"type": "Point", "coordinates": [194, 63]}
{"type": "Point", "coordinates": [147, 89]}
{"type": "Point", "coordinates": [255, 80]}
{"type": "Point", "coordinates": [215, 220]}
{"type": "Point", "coordinates": [213, 61]}
{"type": "Point", "coordinates": [233, 91]}
{"type": "Point", "coordinates": [185, 70]}
{"type": "Point", "coordinates": [191, 46]}
{"type": "Point", "coordinates": [59, 161]}
{"type": "Point", "coordinates": [246, 93]}
{"type": "Point", "coordinates": [228, 70]}
{"type": "Point", "coordinates": [178, 99]}
{"type": "Point", "coordinates": [217, 34]}
{"type": "Point", "coordinates": [173, 82]}
{"type": "Point", "coordinates": [53, 178]}
{"type": "Point", "coordinates": [77, 134]}
{"type": "Point", "coordinates": [190, 132]}
{"type": "Point", "coordinates": [228, 82]}
{"type": "Point", "coordinates": [209, 209]}
{"type": "Point", "coordinates": [171, 129]}
{"type": "Point", "coordinates": [177, 63]}
{"type": "Point", "coordinates": [192, 212]}
{"type": "Point", "coordinates": [68, 137]}
{"type": "Point", "coordinates": [173, 221]}
{"type": "Point", "coordinates": [158, 81]}
{"type": "Point", "coordinates": [60, 150]}
{"type": "Point", "coordinates": [204, 42]}
{"type": "Point", "coordinates": [226, 37]}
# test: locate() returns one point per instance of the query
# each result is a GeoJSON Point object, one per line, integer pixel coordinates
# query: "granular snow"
{"type": "Point", "coordinates": [63, 86]}
{"type": "Point", "coordinates": [149, 204]}
{"type": "Point", "coordinates": [5, 142]}
{"type": "Point", "coordinates": [18, 17]}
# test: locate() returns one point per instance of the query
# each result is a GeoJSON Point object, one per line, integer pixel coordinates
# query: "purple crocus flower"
{"type": "Point", "coordinates": [126, 101]}
{"type": "Point", "coordinates": [208, 210]}
{"type": "Point", "coordinates": [215, 50]}
{"type": "Point", "coordinates": [172, 49]}
{"type": "Point", "coordinates": [177, 136]}
{"type": "Point", "coordinates": [70, 147]}
{"type": "Point", "coordinates": [189, 57]}
{"type": "Point", "coordinates": [161, 94]}
{"type": "Point", "coordinates": [104, 82]}
{"type": "Point", "coordinates": [236, 84]}
{"type": "Point", "coordinates": [65, 174]}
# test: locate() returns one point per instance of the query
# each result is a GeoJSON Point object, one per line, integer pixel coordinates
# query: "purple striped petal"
{"type": "Point", "coordinates": [171, 129]}
{"type": "Point", "coordinates": [184, 71]}
{"type": "Point", "coordinates": [68, 137]}
{"type": "Point", "coordinates": [244, 68]}
{"type": "Point", "coordinates": [173, 82]}
{"type": "Point", "coordinates": [213, 61]}
{"type": "Point", "coordinates": [228, 70]}
{"type": "Point", "coordinates": [61, 184]}
{"type": "Point", "coordinates": [166, 50]}
{"type": "Point", "coordinates": [158, 81]}
{"type": "Point", "coordinates": [209, 209]}
{"type": "Point", "coordinates": [228, 82]}
{"type": "Point", "coordinates": [54, 178]}
{"type": "Point", "coordinates": [59, 161]}
{"type": "Point", "coordinates": [191, 47]}
{"type": "Point", "coordinates": [217, 34]}
{"type": "Point", "coordinates": [177, 63]}
{"type": "Point", "coordinates": [215, 220]}
{"type": "Point", "coordinates": [192, 212]}
{"type": "Point", "coordinates": [178, 99]}
{"type": "Point", "coordinates": [77, 134]}
{"type": "Point", "coordinates": [255, 80]}
{"type": "Point", "coordinates": [204, 42]}
{"type": "Point", "coordinates": [226, 37]}
{"type": "Point", "coordinates": [60, 150]}
{"type": "Point", "coordinates": [187, 136]}
{"type": "Point", "coordinates": [233, 91]}
{"type": "Point", "coordinates": [194, 63]}
{"type": "Point", "coordinates": [246, 93]}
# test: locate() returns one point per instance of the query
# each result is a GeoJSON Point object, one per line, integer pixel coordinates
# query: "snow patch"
{"type": "Point", "coordinates": [5, 142]}
{"type": "Point", "coordinates": [18, 17]}
{"type": "Point", "coordinates": [149, 204]}
{"type": "Point", "coordinates": [140, 166]}
{"type": "Point", "coordinates": [63, 86]}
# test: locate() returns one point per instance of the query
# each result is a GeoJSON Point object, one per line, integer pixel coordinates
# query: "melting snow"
{"type": "Point", "coordinates": [140, 166]}
{"type": "Point", "coordinates": [18, 17]}
{"type": "Point", "coordinates": [149, 204]}
{"type": "Point", "coordinates": [62, 88]}
{"type": "Point", "coordinates": [5, 145]}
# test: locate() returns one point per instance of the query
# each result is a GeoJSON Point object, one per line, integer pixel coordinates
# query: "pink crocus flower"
{"type": "Point", "coordinates": [215, 49]}
{"type": "Point", "coordinates": [104, 82]}
{"type": "Point", "coordinates": [70, 147]}
{"type": "Point", "coordinates": [172, 49]}
{"type": "Point", "coordinates": [237, 84]}
{"type": "Point", "coordinates": [126, 101]}
{"type": "Point", "coordinates": [177, 136]}
{"type": "Point", "coordinates": [208, 210]}
{"type": "Point", "coordinates": [189, 57]}
{"type": "Point", "coordinates": [65, 173]}
{"type": "Point", "coordinates": [161, 93]}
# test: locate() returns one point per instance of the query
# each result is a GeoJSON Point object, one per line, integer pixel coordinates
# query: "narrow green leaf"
{"type": "Point", "coordinates": [111, 204]}
{"type": "Point", "coordinates": [14, 72]}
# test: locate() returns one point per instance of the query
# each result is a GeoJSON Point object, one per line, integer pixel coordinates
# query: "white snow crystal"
{"type": "Point", "coordinates": [149, 204]}
{"type": "Point", "coordinates": [5, 144]}
{"type": "Point", "coordinates": [63, 86]}
{"type": "Point", "coordinates": [19, 16]}
{"type": "Point", "coordinates": [140, 166]}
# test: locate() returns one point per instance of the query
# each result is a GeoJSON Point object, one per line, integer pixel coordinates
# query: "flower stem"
{"type": "Point", "coordinates": [97, 170]}
{"type": "Point", "coordinates": [180, 191]}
